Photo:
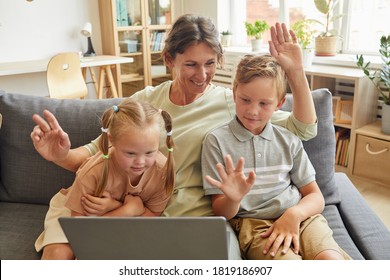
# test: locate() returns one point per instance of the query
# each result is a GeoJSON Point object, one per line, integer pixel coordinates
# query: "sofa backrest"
{"type": "Point", "coordinates": [321, 149]}
{"type": "Point", "coordinates": [24, 175]}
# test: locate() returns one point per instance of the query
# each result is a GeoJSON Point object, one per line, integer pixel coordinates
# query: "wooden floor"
{"type": "Point", "coordinates": [377, 196]}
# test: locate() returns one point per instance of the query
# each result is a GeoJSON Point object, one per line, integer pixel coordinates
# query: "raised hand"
{"type": "Point", "coordinates": [234, 184]}
{"type": "Point", "coordinates": [285, 48]}
{"type": "Point", "coordinates": [50, 141]}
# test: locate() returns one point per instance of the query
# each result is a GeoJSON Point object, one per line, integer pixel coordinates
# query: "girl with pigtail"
{"type": "Point", "coordinates": [129, 171]}
{"type": "Point", "coordinates": [129, 165]}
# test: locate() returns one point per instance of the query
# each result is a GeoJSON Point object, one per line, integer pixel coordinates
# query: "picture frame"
{"type": "Point", "coordinates": [344, 111]}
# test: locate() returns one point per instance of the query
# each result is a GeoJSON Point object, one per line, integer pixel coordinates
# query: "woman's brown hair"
{"type": "Point", "coordinates": [190, 30]}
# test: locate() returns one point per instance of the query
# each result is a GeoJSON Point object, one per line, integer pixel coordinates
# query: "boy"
{"type": "Point", "coordinates": [274, 203]}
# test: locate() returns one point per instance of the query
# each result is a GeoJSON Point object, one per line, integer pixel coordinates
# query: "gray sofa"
{"type": "Point", "coordinates": [27, 182]}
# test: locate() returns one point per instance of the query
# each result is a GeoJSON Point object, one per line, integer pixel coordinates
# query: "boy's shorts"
{"type": "Point", "coordinates": [315, 236]}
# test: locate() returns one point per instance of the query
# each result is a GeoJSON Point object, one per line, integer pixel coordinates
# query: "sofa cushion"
{"type": "Point", "coordinates": [20, 225]}
{"type": "Point", "coordinates": [25, 176]}
{"type": "Point", "coordinates": [321, 149]}
{"type": "Point", "coordinates": [365, 228]}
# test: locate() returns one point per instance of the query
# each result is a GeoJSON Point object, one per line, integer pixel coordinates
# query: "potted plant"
{"type": "Point", "coordinates": [381, 79]}
{"type": "Point", "coordinates": [305, 32]}
{"type": "Point", "coordinates": [326, 41]}
{"type": "Point", "coordinates": [226, 38]}
{"type": "Point", "coordinates": [256, 31]}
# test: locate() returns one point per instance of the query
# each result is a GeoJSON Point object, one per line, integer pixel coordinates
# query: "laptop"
{"type": "Point", "coordinates": [147, 238]}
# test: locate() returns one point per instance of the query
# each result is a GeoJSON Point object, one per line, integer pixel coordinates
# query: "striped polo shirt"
{"type": "Point", "coordinates": [276, 155]}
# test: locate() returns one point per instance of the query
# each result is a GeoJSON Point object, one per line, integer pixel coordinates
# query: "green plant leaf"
{"type": "Point", "coordinates": [322, 6]}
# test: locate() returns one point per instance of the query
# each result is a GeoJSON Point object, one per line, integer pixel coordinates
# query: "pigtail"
{"type": "Point", "coordinates": [169, 168]}
{"type": "Point", "coordinates": [104, 147]}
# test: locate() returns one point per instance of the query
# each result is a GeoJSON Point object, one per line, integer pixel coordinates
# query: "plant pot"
{"type": "Point", "coordinates": [256, 44]}
{"type": "Point", "coordinates": [386, 119]}
{"type": "Point", "coordinates": [326, 46]}
{"type": "Point", "coordinates": [226, 40]}
{"type": "Point", "coordinates": [307, 55]}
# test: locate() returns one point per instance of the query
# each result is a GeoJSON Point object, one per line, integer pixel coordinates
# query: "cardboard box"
{"type": "Point", "coordinates": [128, 46]}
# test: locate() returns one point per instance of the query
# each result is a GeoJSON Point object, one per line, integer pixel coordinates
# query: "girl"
{"type": "Point", "coordinates": [128, 170]}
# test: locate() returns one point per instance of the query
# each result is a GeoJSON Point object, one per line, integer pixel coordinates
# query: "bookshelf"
{"type": "Point", "coordinates": [136, 29]}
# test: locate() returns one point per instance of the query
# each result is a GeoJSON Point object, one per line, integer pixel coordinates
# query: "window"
{"type": "Point", "coordinates": [364, 22]}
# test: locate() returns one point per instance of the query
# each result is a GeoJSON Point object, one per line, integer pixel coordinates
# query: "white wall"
{"type": "Point", "coordinates": [40, 29]}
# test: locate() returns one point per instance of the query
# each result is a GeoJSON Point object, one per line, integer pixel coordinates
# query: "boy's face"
{"type": "Point", "coordinates": [256, 101]}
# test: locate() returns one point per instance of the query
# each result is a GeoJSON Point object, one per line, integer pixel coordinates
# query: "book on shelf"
{"type": "Point", "coordinates": [342, 146]}
{"type": "Point", "coordinates": [157, 41]}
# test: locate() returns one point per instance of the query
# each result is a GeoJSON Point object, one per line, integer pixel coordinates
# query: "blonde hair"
{"type": "Point", "coordinates": [261, 66]}
{"type": "Point", "coordinates": [135, 114]}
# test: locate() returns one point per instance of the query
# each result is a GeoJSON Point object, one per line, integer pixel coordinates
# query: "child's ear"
{"type": "Point", "coordinates": [281, 103]}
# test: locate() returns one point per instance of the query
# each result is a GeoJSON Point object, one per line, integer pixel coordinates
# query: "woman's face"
{"type": "Point", "coordinates": [194, 69]}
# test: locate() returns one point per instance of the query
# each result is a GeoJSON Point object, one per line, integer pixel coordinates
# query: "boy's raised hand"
{"type": "Point", "coordinates": [285, 48]}
{"type": "Point", "coordinates": [234, 184]}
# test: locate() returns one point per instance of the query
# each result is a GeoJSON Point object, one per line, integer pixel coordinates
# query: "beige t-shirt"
{"type": "Point", "coordinates": [190, 124]}
{"type": "Point", "coordinates": [150, 188]}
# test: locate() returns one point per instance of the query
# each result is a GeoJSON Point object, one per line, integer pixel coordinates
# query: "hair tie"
{"type": "Point", "coordinates": [105, 157]}
{"type": "Point", "coordinates": [170, 150]}
{"type": "Point", "coordinates": [104, 130]}
{"type": "Point", "coordinates": [116, 108]}
{"type": "Point", "coordinates": [169, 133]}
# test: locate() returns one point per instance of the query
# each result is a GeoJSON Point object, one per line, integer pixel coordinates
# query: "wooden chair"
{"type": "Point", "coordinates": [64, 77]}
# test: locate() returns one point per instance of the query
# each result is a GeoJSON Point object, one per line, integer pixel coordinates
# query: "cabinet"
{"type": "Point", "coordinates": [347, 84]}
{"type": "Point", "coordinates": [136, 29]}
{"type": "Point", "coordinates": [372, 153]}
{"type": "Point", "coordinates": [359, 100]}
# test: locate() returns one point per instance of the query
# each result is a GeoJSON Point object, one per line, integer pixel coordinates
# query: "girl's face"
{"type": "Point", "coordinates": [136, 149]}
{"type": "Point", "coordinates": [194, 69]}
{"type": "Point", "coordinates": [256, 101]}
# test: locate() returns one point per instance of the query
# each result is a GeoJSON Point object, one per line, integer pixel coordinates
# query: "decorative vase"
{"type": "Point", "coordinates": [326, 46]}
{"type": "Point", "coordinates": [256, 44]}
{"type": "Point", "coordinates": [226, 40]}
{"type": "Point", "coordinates": [307, 55]}
{"type": "Point", "coordinates": [386, 118]}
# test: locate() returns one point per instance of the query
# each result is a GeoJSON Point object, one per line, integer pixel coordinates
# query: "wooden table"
{"type": "Point", "coordinates": [103, 62]}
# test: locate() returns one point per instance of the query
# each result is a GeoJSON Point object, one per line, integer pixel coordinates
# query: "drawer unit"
{"type": "Point", "coordinates": [372, 159]}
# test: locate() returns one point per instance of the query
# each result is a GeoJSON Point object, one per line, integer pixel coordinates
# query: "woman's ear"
{"type": "Point", "coordinates": [168, 61]}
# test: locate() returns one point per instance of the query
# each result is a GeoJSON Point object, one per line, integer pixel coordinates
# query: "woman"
{"type": "Point", "coordinates": [192, 52]}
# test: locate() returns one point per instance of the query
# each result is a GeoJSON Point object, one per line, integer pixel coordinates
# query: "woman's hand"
{"type": "Point", "coordinates": [50, 141]}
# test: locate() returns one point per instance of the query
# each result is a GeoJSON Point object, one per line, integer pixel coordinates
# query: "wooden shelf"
{"type": "Point", "coordinates": [112, 34]}
{"type": "Point", "coordinates": [373, 130]}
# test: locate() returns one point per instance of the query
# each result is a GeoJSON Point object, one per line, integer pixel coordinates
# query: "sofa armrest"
{"type": "Point", "coordinates": [366, 229]}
